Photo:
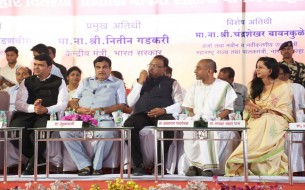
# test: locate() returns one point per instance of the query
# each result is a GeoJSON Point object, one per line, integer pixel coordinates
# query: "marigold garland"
{"type": "Point", "coordinates": [120, 184]}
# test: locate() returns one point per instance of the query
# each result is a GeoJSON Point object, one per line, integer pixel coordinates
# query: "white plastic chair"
{"type": "Point", "coordinates": [225, 150]}
{"type": "Point", "coordinates": [148, 147]}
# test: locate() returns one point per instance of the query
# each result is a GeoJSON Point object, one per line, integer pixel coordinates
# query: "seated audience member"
{"type": "Point", "coordinates": [228, 74]}
{"type": "Point", "coordinates": [297, 152]}
{"type": "Point", "coordinates": [106, 94]}
{"type": "Point", "coordinates": [267, 113]}
{"type": "Point", "coordinates": [168, 72]}
{"type": "Point", "coordinates": [63, 69]}
{"type": "Point", "coordinates": [74, 75]}
{"type": "Point", "coordinates": [40, 49]}
{"type": "Point", "coordinates": [297, 89]}
{"type": "Point", "coordinates": [154, 97]}
{"type": "Point", "coordinates": [8, 72]}
{"type": "Point", "coordinates": [204, 98]}
{"type": "Point", "coordinates": [21, 73]}
{"type": "Point", "coordinates": [38, 96]}
{"type": "Point", "coordinates": [117, 74]}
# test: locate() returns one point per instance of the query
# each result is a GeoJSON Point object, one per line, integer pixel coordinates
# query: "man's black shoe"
{"type": "Point", "coordinates": [191, 171]}
{"type": "Point", "coordinates": [207, 173]}
{"type": "Point", "coordinates": [29, 170]}
{"type": "Point", "coordinates": [138, 171]}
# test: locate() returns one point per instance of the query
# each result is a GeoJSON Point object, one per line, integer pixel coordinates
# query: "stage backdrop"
{"type": "Point", "coordinates": [232, 32]}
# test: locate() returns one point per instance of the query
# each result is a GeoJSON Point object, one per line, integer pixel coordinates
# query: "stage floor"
{"type": "Point", "coordinates": [85, 182]}
{"type": "Point", "coordinates": [53, 177]}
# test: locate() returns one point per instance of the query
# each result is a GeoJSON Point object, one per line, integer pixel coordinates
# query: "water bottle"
{"type": "Point", "coordinates": [119, 119]}
{"type": "Point", "coordinates": [97, 116]}
{"type": "Point", "coordinates": [238, 116]}
{"type": "Point", "coordinates": [53, 116]}
{"type": "Point", "coordinates": [213, 117]}
{"type": "Point", "coordinates": [187, 112]}
{"type": "Point", "coordinates": [3, 118]}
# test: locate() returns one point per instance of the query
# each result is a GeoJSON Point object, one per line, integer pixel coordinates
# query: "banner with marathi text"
{"type": "Point", "coordinates": [232, 32]}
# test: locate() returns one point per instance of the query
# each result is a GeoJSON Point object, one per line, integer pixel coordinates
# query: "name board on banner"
{"type": "Point", "coordinates": [227, 123]}
{"type": "Point", "coordinates": [175, 123]}
{"type": "Point", "coordinates": [297, 126]}
{"type": "Point", "coordinates": [64, 124]}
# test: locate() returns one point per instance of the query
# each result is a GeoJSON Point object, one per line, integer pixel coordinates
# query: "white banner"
{"type": "Point", "coordinates": [227, 124]}
{"type": "Point", "coordinates": [175, 123]}
{"type": "Point", "coordinates": [297, 126]}
{"type": "Point", "coordinates": [64, 124]}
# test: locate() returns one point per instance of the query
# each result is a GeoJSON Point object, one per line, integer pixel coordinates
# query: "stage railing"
{"type": "Point", "coordinates": [43, 134]}
{"type": "Point", "coordinates": [161, 138]}
{"type": "Point", "coordinates": [10, 134]}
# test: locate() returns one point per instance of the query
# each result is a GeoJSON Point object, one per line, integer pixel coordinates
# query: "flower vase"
{"type": "Point", "coordinates": [86, 125]}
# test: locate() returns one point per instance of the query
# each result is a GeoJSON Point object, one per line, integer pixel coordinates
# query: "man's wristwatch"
{"type": "Point", "coordinates": [102, 111]}
{"type": "Point", "coordinates": [75, 110]}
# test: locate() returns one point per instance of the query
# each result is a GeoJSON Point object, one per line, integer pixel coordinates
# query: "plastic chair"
{"type": "Point", "coordinates": [226, 148]}
{"type": "Point", "coordinates": [148, 147]}
{"type": "Point", "coordinates": [4, 100]}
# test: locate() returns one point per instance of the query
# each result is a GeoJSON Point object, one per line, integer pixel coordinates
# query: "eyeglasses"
{"type": "Point", "coordinates": [154, 66]}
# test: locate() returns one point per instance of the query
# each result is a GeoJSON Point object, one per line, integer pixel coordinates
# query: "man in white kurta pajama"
{"type": "Point", "coordinates": [204, 98]}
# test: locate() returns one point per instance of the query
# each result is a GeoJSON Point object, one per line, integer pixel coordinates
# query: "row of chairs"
{"type": "Point", "coordinates": [177, 160]}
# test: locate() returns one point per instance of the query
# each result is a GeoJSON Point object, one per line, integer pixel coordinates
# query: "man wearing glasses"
{"type": "Point", "coordinates": [154, 97]}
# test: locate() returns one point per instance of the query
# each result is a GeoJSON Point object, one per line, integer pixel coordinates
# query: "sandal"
{"type": "Point", "coordinates": [84, 172]}
{"type": "Point", "coordinates": [97, 172]}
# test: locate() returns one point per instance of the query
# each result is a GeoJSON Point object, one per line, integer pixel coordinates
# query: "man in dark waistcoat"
{"type": "Point", "coordinates": [38, 96]}
{"type": "Point", "coordinates": [154, 97]}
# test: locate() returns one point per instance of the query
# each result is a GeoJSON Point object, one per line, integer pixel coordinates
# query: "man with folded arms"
{"type": "Point", "coordinates": [297, 69]}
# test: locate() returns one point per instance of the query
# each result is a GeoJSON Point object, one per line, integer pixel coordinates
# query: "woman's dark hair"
{"type": "Point", "coordinates": [74, 68]}
{"type": "Point", "coordinates": [257, 85]}
{"type": "Point", "coordinates": [117, 74]}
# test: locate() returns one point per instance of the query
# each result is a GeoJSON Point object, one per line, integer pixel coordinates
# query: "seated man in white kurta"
{"type": "Point", "coordinates": [204, 98]}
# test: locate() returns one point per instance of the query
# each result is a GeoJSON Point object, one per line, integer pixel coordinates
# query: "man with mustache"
{"type": "Point", "coordinates": [102, 93]}
{"type": "Point", "coordinates": [38, 96]}
{"type": "Point", "coordinates": [154, 97]}
{"type": "Point", "coordinates": [297, 69]}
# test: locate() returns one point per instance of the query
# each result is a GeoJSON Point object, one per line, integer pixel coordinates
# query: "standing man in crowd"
{"type": "Point", "coordinates": [228, 74]}
{"type": "Point", "coordinates": [38, 96]}
{"type": "Point", "coordinates": [103, 93]}
{"type": "Point", "coordinates": [204, 98]}
{"type": "Point", "coordinates": [63, 70]}
{"type": "Point", "coordinates": [154, 97]}
{"type": "Point", "coordinates": [8, 72]}
{"type": "Point", "coordinates": [297, 69]}
{"type": "Point", "coordinates": [40, 49]}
